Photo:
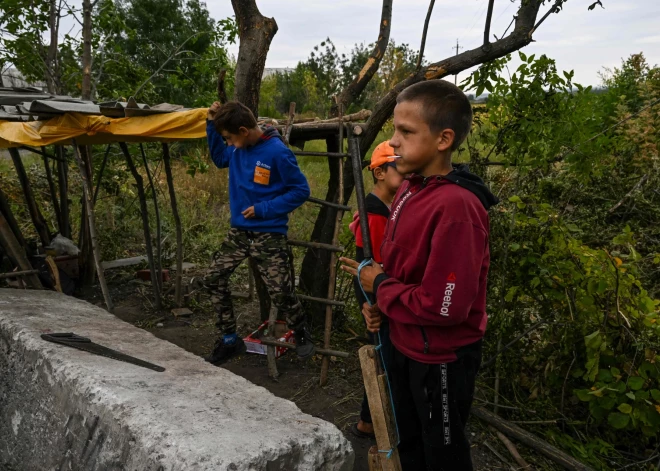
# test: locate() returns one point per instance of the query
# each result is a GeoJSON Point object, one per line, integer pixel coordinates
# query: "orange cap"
{"type": "Point", "coordinates": [382, 154]}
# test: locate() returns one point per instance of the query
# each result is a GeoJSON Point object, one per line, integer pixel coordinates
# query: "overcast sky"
{"type": "Point", "coordinates": [578, 39]}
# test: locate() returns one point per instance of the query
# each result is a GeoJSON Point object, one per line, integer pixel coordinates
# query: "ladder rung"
{"type": "Point", "coordinates": [315, 245]}
{"type": "Point", "coordinates": [329, 203]}
{"type": "Point", "coordinates": [331, 302]}
{"type": "Point", "coordinates": [319, 351]}
{"type": "Point", "coordinates": [321, 154]}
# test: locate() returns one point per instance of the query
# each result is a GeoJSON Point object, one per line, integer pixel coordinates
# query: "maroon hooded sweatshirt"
{"type": "Point", "coordinates": [436, 259]}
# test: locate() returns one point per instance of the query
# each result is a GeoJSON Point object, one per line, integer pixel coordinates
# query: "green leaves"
{"type": "Point", "coordinates": [618, 420]}
{"type": "Point", "coordinates": [635, 383]}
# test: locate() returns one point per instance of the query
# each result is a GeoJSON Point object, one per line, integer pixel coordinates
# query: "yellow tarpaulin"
{"type": "Point", "coordinates": [88, 129]}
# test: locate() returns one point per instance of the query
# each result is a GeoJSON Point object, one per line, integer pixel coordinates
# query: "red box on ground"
{"type": "Point", "coordinates": [254, 345]}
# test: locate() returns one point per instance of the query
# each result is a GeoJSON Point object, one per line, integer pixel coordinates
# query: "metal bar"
{"type": "Point", "coordinates": [320, 154]}
{"type": "Point", "coordinates": [331, 302]}
{"type": "Point", "coordinates": [328, 203]}
{"type": "Point", "coordinates": [319, 351]}
{"type": "Point", "coordinates": [315, 245]}
{"type": "Point", "coordinates": [16, 274]}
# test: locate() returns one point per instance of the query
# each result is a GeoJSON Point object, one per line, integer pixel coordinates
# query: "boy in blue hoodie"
{"type": "Point", "coordinates": [265, 185]}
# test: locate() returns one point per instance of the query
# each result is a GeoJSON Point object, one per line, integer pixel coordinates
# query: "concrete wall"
{"type": "Point", "coordinates": [64, 409]}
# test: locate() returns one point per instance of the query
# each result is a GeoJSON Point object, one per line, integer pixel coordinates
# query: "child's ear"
{"type": "Point", "coordinates": [379, 173]}
{"type": "Point", "coordinates": [243, 131]}
{"type": "Point", "coordinates": [446, 139]}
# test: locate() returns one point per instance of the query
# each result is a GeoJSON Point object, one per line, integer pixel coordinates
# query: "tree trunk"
{"type": "Point", "coordinates": [63, 183]}
{"type": "Point", "coordinates": [145, 221]}
{"type": "Point", "coordinates": [177, 224]}
{"type": "Point", "coordinates": [256, 33]}
{"type": "Point", "coordinates": [87, 51]}
{"type": "Point", "coordinates": [37, 219]}
{"type": "Point", "coordinates": [52, 67]}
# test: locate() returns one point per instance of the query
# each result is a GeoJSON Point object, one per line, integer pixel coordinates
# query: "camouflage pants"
{"type": "Point", "coordinates": [272, 257]}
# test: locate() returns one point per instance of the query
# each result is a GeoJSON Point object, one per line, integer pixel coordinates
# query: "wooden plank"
{"type": "Point", "coordinates": [381, 411]}
{"type": "Point", "coordinates": [54, 273]}
{"type": "Point", "coordinates": [18, 274]}
{"type": "Point", "coordinates": [330, 204]}
{"type": "Point", "coordinates": [331, 302]}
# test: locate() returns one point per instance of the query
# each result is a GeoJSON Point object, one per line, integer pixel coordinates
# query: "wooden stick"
{"type": "Point", "coordinates": [16, 252]}
{"type": "Point", "coordinates": [315, 245]}
{"type": "Point", "coordinates": [177, 224]}
{"type": "Point", "coordinates": [270, 349]}
{"type": "Point", "coordinates": [18, 274]}
{"type": "Point", "coordinates": [62, 181]}
{"type": "Point", "coordinates": [37, 219]}
{"type": "Point", "coordinates": [319, 351]}
{"type": "Point", "coordinates": [529, 439]}
{"type": "Point", "coordinates": [512, 449]}
{"type": "Point", "coordinates": [145, 222]}
{"type": "Point", "coordinates": [494, 451]}
{"type": "Point", "coordinates": [100, 174]}
{"type": "Point", "coordinates": [87, 196]}
{"type": "Point", "coordinates": [159, 264]}
{"type": "Point", "coordinates": [380, 407]}
{"type": "Point", "coordinates": [51, 188]}
{"type": "Point", "coordinates": [332, 281]}
{"type": "Point", "coordinates": [5, 209]}
{"type": "Point", "coordinates": [286, 134]}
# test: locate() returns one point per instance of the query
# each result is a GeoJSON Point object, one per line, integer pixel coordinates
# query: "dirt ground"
{"type": "Point", "coordinates": [338, 402]}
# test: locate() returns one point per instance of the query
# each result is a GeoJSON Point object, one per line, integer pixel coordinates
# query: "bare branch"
{"type": "Point", "coordinates": [353, 90]}
{"type": "Point", "coordinates": [420, 58]}
{"type": "Point", "coordinates": [519, 38]}
{"type": "Point", "coordinates": [489, 18]}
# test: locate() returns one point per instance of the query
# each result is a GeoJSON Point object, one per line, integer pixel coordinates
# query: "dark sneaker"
{"type": "Point", "coordinates": [223, 352]}
{"type": "Point", "coordinates": [304, 346]}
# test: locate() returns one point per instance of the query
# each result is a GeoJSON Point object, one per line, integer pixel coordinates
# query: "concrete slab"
{"type": "Point", "coordinates": [64, 409]}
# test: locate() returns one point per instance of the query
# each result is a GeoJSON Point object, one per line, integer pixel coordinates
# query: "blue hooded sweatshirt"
{"type": "Point", "coordinates": [265, 175]}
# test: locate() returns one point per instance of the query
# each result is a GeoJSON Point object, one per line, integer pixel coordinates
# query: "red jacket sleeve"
{"type": "Point", "coordinates": [450, 282]}
{"type": "Point", "coordinates": [377, 225]}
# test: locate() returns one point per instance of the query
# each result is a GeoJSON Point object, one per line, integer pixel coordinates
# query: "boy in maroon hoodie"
{"type": "Point", "coordinates": [432, 285]}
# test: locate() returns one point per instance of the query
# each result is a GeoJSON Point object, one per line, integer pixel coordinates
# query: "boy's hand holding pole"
{"type": "Point", "coordinates": [368, 274]}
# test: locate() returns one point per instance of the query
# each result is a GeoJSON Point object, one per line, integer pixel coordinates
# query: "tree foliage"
{"type": "Point", "coordinates": [574, 247]}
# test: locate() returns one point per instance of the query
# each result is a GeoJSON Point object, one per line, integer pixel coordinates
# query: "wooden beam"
{"type": "Point", "coordinates": [178, 295]}
{"type": "Point", "coordinates": [319, 351]}
{"type": "Point", "coordinates": [11, 220]}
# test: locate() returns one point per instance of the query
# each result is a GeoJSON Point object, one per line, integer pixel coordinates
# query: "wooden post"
{"type": "Point", "coordinates": [63, 182]}
{"type": "Point", "coordinates": [37, 219]}
{"type": "Point", "coordinates": [89, 206]}
{"type": "Point", "coordinates": [54, 273]}
{"type": "Point", "coordinates": [177, 224]}
{"type": "Point", "coordinates": [270, 349]}
{"type": "Point", "coordinates": [159, 266]}
{"type": "Point", "coordinates": [332, 282]}
{"type": "Point", "coordinates": [86, 263]}
{"type": "Point", "coordinates": [5, 209]}
{"type": "Point", "coordinates": [145, 221]}
{"type": "Point", "coordinates": [16, 252]}
{"type": "Point", "coordinates": [375, 384]}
